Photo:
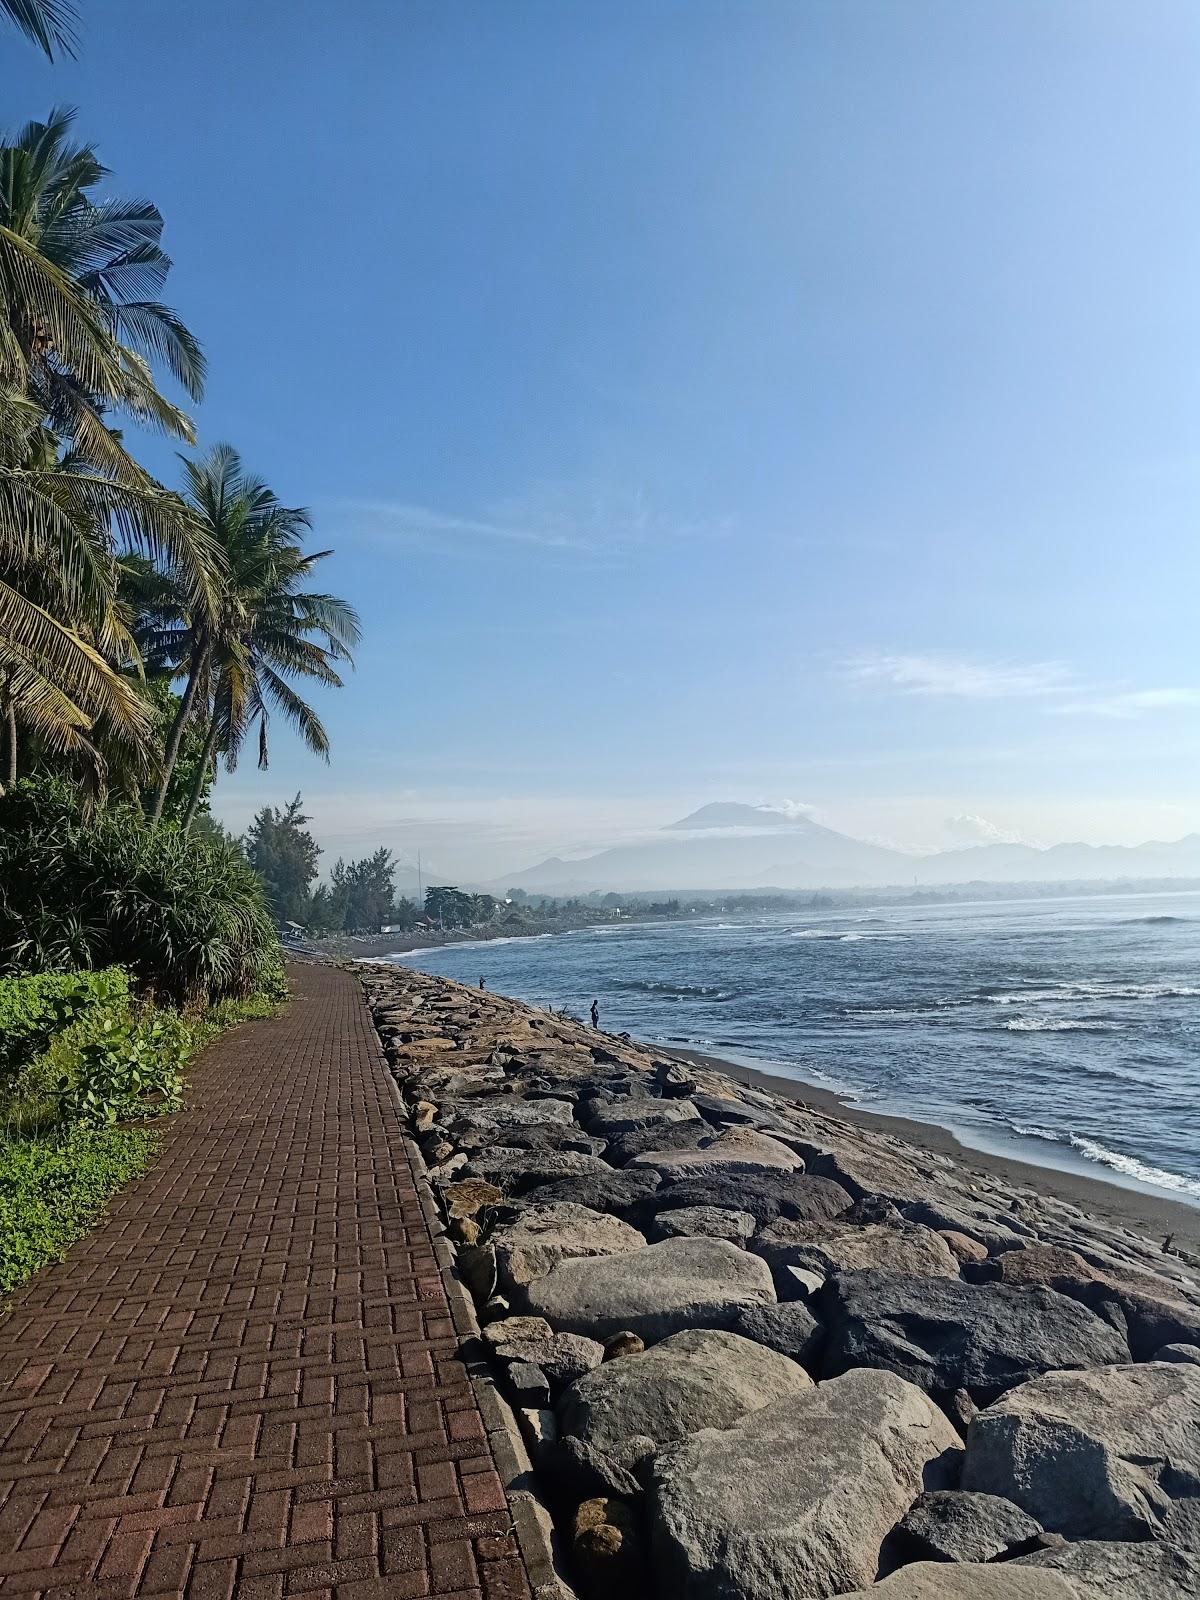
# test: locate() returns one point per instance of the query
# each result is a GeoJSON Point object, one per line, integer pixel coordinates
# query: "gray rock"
{"type": "Point", "coordinates": [700, 1378]}
{"type": "Point", "coordinates": [542, 1236]}
{"type": "Point", "coordinates": [517, 1171]}
{"type": "Point", "coordinates": [630, 1115]}
{"type": "Point", "coordinates": [509, 1111]}
{"type": "Point", "coordinates": [994, 1234]}
{"type": "Point", "coordinates": [765, 1195]}
{"type": "Point", "coordinates": [1094, 1455]}
{"type": "Point", "coordinates": [792, 1330]}
{"type": "Point", "coordinates": [704, 1222]}
{"type": "Point", "coordinates": [656, 1291]}
{"type": "Point", "coordinates": [935, 1580]}
{"type": "Point", "coordinates": [621, 1194]}
{"type": "Point", "coordinates": [949, 1526]}
{"type": "Point", "coordinates": [529, 1384]}
{"type": "Point", "coordinates": [797, 1498]}
{"type": "Point", "coordinates": [674, 1079]}
{"type": "Point", "coordinates": [737, 1150]}
{"type": "Point", "coordinates": [866, 1168]}
{"type": "Point", "coordinates": [623, 1147]}
{"type": "Point", "coordinates": [840, 1246]}
{"type": "Point", "coordinates": [944, 1335]}
{"type": "Point", "coordinates": [563, 1357]}
{"type": "Point", "coordinates": [542, 1137]}
{"type": "Point", "coordinates": [1187, 1354]}
{"type": "Point", "coordinates": [513, 1331]}
{"type": "Point", "coordinates": [573, 1470]}
{"type": "Point", "coordinates": [1097, 1570]}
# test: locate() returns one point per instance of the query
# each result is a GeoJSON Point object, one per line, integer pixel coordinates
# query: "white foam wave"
{"type": "Point", "coordinates": [1056, 1025]}
{"type": "Point", "coordinates": [1131, 1167]}
{"type": "Point", "coordinates": [1127, 1166]}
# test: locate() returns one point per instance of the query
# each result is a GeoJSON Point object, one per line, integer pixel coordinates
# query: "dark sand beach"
{"type": "Point", "coordinates": [1116, 1204]}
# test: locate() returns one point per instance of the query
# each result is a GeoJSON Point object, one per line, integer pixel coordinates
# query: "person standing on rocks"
{"type": "Point", "coordinates": [482, 984]}
{"type": "Point", "coordinates": [595, 1013]}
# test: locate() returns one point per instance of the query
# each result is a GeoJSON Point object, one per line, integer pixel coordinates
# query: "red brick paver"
{"type": "Point", "coordinates": [244, 1382]}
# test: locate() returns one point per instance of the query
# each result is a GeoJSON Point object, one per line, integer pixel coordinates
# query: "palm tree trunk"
{"type": "Point", "coordinates": [10, 717]}
{"type": "Point", "coordinates": [175, 737]}
{"type": "Point", "coordinates": [202, 765]}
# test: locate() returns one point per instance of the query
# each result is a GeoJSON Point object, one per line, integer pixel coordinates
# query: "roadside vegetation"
{"type": "Point", "coordinates": [148, 631]}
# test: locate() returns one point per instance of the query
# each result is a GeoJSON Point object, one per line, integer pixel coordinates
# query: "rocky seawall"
{"type": "Point", "coordinates": [761, 1354]}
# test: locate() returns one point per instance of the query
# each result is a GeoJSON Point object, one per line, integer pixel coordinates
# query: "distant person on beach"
{"type": "Point", "coordinates": [595, 1013]}
{"type": "Point", "coordinates": [482, 985]}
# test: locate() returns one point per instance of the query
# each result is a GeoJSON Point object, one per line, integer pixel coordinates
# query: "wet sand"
{"type": "Point", "coordinates": [1138, 1210]}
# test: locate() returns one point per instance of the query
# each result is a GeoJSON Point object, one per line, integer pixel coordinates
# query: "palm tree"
{"type": "Point", "coordinates": [77, 334]}
{"type": "Point", "coordinates": [268, 628]}
{"type": "Point", "coordinates": [48, 23]}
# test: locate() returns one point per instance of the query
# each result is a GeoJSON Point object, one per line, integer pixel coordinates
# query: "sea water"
{"type": "Point", "coordinates": [1065, 1031]}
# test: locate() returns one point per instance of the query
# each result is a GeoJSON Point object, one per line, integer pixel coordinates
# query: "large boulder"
{"type": "Point", "coordinates": [704, 1222]}
{"type": "Point", "coordinates": [935, 1580]}
{"type": "Point", "coordinates": [653, 1292]}
{"type": "Point", "coordinates": [621, 1194]}
{"type": "Point", "coordinates": [842, 1246]}
{"type": "Point", "coordinates": [1098, 1454]}
{"type": "Point", "coordinates": [509, 1111]}
{"type": "Point", "coordinates": [631, 1115]}
{"type": "Point", "coordinates": [737, 1150]}
{"type": "Point", "coordinates": [946, 1335]}
{"type": "Point", "coordinates": [1097, 1570]}
{"type": "Point", "coordinates": [946, 1525]}
{"type": "Point", "coordinates": [765, 1195]}
{"type": "Point", "coordinates": [687, 1135]}
{"type": "Point", "coordinates": [1153, 1310]}
{"type": "Point", "coordinates": [700, 1378]}
{"type": "Point", "coordinates": [517, 1171]}
{"type": "Point", "coordinates": [867, 1167]}
{"type": "Point", "coordinates": [797, 1499]}
{"type": "Point", "coordinates": [542, 1236]}
{"type": "Point", "coordinates": [972, 1220]}
{"type": "Point", "coordinates": [790, 1329]}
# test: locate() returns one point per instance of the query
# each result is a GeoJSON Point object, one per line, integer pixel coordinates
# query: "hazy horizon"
{"type": "Point", "coordinates": [702, 402]}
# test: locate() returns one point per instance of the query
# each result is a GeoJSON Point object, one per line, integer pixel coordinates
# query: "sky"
{"type": "Point", "coordinates": [774, 400]}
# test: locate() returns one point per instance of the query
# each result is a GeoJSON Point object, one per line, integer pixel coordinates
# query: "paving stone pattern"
{"type": "Point", "coordinates": [245, 1381]}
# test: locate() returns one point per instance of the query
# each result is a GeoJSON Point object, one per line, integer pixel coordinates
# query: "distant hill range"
{"type": "Point", "coordinates": [726, 846]}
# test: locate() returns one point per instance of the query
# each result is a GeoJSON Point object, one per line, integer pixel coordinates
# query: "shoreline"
{"type": "Point", "coordinates": [1127, 1205]}
{"type": "Point", "coordinates": [1136, 1209]}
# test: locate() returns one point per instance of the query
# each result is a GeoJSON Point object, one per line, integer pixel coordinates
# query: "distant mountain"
{"type": "Point", "coordinates": [726, 845]}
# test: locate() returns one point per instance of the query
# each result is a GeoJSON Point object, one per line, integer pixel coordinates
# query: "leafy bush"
{"type": "Point", "coordinates": [185, 915]}
{"type": "Point", "coordinates": [126, 1063]}
{"type": "Point", "coordinates": [53, 1190]}
{"type": "Point", "coordinates": [36, 1007]}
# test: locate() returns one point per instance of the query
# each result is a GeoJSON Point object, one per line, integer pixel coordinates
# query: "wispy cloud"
{"type": "Point", "coordinates": [1130, 703]}
{"type": "Point", "coordinates": [583, 519]}
{"type": "Point", "coordinates": [959, 677]}
{"type": "Point", "coordinates": [1058, 690]}
{"type": "Point", "coordinates": [399, 520]}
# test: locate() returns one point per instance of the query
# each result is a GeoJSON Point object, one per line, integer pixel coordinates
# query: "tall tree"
{"type": "Point", "coordinates": [77, 339]}
{"type": "Point", "coordinates": [284, 854]}
{"type": "Point", "coordinates": [267, 628]}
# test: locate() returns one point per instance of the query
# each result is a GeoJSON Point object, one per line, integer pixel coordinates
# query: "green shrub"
{"type": "Point", "coordinates": [125, 1067]}
{"type": "Point", "coordinates": [36, 1007]}
{"type": "Point", "coordinates": [185, 915]}
{"type": "Point", "coordinates": [53, 1190]}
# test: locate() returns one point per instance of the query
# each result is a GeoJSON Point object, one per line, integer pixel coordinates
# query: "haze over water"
{"type": "Point", "coordinates": [1065, 1031]}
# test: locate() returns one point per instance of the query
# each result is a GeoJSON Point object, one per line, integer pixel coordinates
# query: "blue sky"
{"type": "Point", "coordinates": [704, 400]}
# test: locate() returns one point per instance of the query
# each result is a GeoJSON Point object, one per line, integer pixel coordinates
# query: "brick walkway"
{"type": "Point", "coordinates": [245, 1381]}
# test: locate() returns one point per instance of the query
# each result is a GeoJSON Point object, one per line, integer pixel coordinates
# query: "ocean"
{"type": "Point", "coordinates": [1063, 1031]}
